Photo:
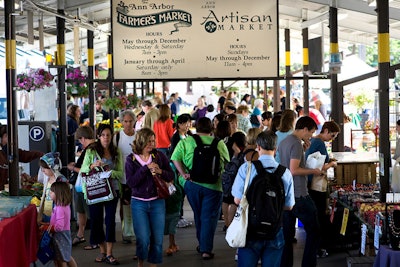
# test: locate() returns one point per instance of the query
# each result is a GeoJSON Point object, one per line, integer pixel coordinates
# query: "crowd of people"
{"type": "Point", "coordinates": [160, 140]}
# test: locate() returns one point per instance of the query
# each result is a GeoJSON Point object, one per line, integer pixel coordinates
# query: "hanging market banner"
{"type": "Point", "coordinates": [180, 39]}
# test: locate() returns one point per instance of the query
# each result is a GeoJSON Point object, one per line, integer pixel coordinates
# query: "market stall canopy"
{"type": "Point", "coordinates": [357, 22]}
{"type": "Point", "coordinates": [352, 66]}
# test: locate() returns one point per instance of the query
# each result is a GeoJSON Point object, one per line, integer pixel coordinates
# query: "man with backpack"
{"type": "Point", "coordinates": [291, 154]}
{"type": "Point", "coordinates": [270, 191]}
{"type": "Point", "coordinates": [200, 159]}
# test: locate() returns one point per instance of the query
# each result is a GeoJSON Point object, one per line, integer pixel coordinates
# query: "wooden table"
{"type": "Point", "coordinates": [360, 166]}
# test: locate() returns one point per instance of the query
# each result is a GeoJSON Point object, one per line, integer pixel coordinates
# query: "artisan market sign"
{"type": "Point", "coordinates": [180, 39]}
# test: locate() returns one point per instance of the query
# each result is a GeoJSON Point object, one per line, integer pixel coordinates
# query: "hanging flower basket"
{"type": "Point", "coordinates": [76, 83]}
{"type": "Point", "coordinates": [121, 102]}
{"type": "Point", "coordinates": [34, 79]}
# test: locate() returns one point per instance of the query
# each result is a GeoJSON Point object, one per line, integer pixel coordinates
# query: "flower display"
{"type": "Point", "coordinates": [117, 124]}
{"type": "Point", "coordinates": [121, 102]}
{"type": "Point", "coordinates": [34, 79]}
{"type": "Point", "coordinates": [76, 83]}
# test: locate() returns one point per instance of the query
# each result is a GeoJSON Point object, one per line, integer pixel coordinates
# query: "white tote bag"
{"type": "Point", "coordinates": [237, 230]}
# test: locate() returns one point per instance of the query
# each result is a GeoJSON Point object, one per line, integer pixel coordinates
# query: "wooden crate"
{"type": "Point", "coordinates": [364, 173]}
{"type": "Point", "coordinates": [339, 174]}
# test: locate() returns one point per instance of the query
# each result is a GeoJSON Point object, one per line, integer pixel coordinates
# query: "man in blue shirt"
{"type": "Point", "coordinates": [269, 251]}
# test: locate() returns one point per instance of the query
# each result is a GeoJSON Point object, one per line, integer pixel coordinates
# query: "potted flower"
{"type": "Point", "coordinates": [34, 79]}
{"type": "Point", "coordinates": [121, 102]}
{"type": "Point", "coordinates": [76, 83]}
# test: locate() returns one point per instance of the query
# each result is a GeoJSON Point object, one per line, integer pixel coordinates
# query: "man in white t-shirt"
{"type": "Point", "coordinates": [123, 140]}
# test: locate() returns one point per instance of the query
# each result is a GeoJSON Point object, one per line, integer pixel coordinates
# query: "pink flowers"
{"type": "Point", "coordinates": [34, 79]}
{"type": "Point", "coordinates": [76, 83]}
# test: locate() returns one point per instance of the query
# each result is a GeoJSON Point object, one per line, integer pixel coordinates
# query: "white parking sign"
{"type": "Point", "coordinates": [36, 133]}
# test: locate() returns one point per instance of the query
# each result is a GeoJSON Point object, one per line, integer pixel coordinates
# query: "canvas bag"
{"type": "Point", "coordinates": [97, 187]}
{"type": "Point", "coordinates": [237, 230]}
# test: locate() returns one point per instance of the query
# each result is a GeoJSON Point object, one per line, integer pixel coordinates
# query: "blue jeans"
{"type": "Point", "coordinates": [148, 223]}
{"type": "Point", "coordinates": [269, 251]}
{"type": "Point", "coordinates": [206, 206]}
{"type": "Point", "coordinates": [97, 218]}
{"type": "Point", "coordinates": [306, 212]}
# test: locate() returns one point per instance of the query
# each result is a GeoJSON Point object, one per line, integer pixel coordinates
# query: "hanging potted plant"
{"type": "Point", "coordinates": [34, 79]}
{"type": "Point", "coordinates": [76, 83]}
{"type": "Point", "coordinates": [121, 102]}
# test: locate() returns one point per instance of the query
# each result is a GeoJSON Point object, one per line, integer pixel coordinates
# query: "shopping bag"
{"type": "Point", "coordinates": [237, 230]}
{"type": "Point", "coordinates": [315, 160]}
{"type": "Point", "coordinates": [127, 222]}
{"type": "Point", "coordinates": [396, 176]}
{"type": "Point", "coordinates": [97, 186]}
{"type": "Point", "coordinates": [319, 183]}
{"type": "Point", "coordinates": [78, 183]}
{"type": "Point", "coordinates": [45, 252]}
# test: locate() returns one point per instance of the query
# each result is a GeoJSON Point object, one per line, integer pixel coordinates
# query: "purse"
{"type": "Point", "coordinates": [237, 230]}
{"type": "Point", "coordinates": [45, 252]}
{"type": "Point", "coordinates": [163, 187]}
{"type": "Point", "coordinates": [97, 187]}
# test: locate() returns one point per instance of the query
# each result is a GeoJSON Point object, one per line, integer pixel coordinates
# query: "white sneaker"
{"type": "Point", "coordinates": [182, 223]}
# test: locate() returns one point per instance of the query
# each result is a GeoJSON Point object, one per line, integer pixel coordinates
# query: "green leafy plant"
{"type": "Point", "coordinates": [121, 102]}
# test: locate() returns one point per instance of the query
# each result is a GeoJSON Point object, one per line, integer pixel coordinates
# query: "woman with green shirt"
{"type": "Point", "coordinates": [100, 153]}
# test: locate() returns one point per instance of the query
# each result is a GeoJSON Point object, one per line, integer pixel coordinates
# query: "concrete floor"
{"type": "Point", "coordinates": [187, 256]}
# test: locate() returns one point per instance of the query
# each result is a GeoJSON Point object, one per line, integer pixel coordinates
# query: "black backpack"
{"type": "Point", "coordinates": [266, 197]}
{"type": "Point", "coordinates": [254, 120]}
{"type": "Point", "coordinates": [206, 162]}
{"type": "Point", "coordinates": [230, 171]}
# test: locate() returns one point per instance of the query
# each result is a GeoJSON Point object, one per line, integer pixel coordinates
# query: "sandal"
{"type": "Point", "coordinates": [111, 260]}
{"type": "Point", "coordinates": [78, 240]}
{"type": "Point", "coordinates": [91, 247]}
{"type": "Point", "coordinates": [175, 248]}
{"type": "Point", "coordinates": [169, 252]}
{"type": "Point", "coordinates": [102, 258]}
